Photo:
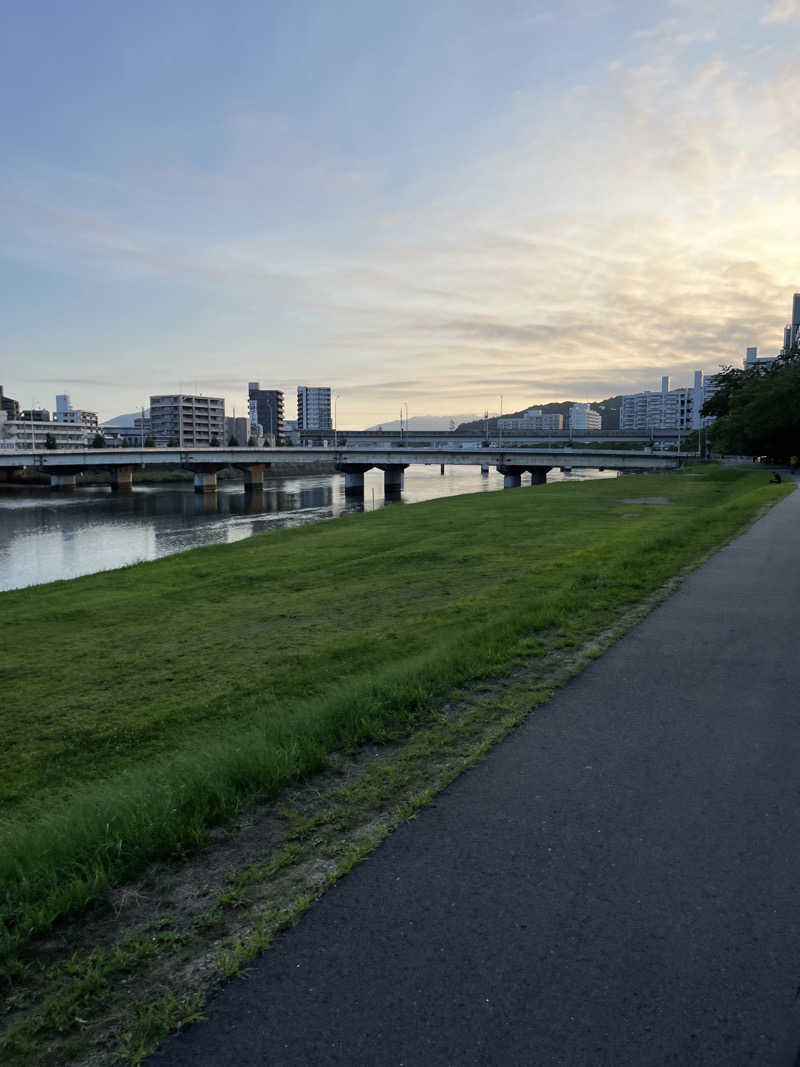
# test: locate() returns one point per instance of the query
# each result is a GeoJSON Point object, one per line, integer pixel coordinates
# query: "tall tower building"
{"type": "Point", "coordinates": [265, 407]}
{"type": "Point", "coordinates": [791, 333]}
{"type": "Point", "coordinates": [314, 408]}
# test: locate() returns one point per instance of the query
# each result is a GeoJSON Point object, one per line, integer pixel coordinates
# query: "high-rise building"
{"type": "Point", "coordinates": [791, 333]}
{"type": "Point", "coordinates": [11, 407]}
{"type": "Point", "coordinates": [63, 403]}
{"type": "Point", "coordinates": [192, 421]}
{"type": "Point", "coordinates": [314, 408]}
{"type": "Point", "coordinates": [265, 407]}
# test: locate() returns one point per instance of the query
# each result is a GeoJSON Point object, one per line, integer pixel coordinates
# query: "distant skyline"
{"type": "Point", "coordinates": [434, 203]}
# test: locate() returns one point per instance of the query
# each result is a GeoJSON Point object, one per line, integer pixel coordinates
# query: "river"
{"type": "Point", "coordinates": [46, 536]}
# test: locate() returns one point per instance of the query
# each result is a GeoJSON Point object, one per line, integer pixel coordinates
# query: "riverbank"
{"type": "Point", "coordinates": [186, 689]}
{"type": "Point", "coordinates": [35, 479]}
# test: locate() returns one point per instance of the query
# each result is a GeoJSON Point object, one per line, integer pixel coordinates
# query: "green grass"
{"type": "Point", "coordinates": [142, 706]}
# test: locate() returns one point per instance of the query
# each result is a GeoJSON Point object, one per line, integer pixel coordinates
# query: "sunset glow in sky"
{"type": "Point", "coordinates": [432, 203]}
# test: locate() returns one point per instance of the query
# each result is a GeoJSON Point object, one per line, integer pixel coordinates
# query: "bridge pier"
{"type": "Point", "coordinates": [62, 481]}
{"type": "Point", "coordinates": [205, 481]}
{"type": "Point", "coordinates": [393, 478]}
{"type": "Point", "coordinates": [253, 475]}
{"type": "Point", "coordinates": [539, 475]}
{"type": "Point", "coordinates": [121, 479]}
{"type": "Point", "coordinates": [353, 477]}
{"type": "Point", "coordinates": [512, 476]}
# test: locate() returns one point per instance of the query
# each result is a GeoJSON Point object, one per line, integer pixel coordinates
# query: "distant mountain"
{"type": "Point", "coordinates": [608, 409]}
{"type": "Point", "coordinates": [127, 420]}
{"type": "Point", "coordinates": [424, 422]}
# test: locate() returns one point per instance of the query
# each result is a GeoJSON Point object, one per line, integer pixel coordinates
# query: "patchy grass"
{"type": "Point", "coordinates": [106, 987]}
{"type": "Point", "coordinates": [143, 707]}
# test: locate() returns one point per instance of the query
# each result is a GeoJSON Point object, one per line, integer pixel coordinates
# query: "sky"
{"type": "Point", "coordinates": [437, 204]}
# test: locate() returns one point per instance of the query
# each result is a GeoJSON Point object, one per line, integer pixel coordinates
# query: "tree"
{"type": "Point", "coordinates": [172, 443]}
{"type": "Point", "coordinates": [126, 443]}
{"type": "Point", "coordinates": [215, 442]}
{"type": "Point", "coordinates": [149, 442]}
{"type": "Point", "coordinates": [98, 441]}
{"type": "Point", "coordinates": [233, 441]}
{"type": "Point", "coordinates": [251, 443]}
{"type": "Point", "coordinates": [50, 442]}
{"type": "Point", "coordinates": [758, 409]}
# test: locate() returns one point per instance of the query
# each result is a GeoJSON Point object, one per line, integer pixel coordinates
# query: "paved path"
{"type": "Point", "coordinates": [617, 884]}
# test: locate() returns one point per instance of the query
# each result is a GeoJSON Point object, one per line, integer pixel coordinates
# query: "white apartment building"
{"type": "Point", "coordinates": [752, 359]}
{"type": "Point", "coordinates": [533, 419]}
{"type": "Point", "coordinates": [314, 408]}
{"type": "Point", "coordinates": [30, 434]}
{"type": "Point", "coordinates": [192, 421]}
{"type": "Point", "coordinates": [583, 417]}
{"type": "Point", "coordinates": [670, 409]}
{"type": "Point", "coordinates": [76, 417]}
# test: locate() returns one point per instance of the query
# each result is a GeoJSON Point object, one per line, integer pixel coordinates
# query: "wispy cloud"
{"type": "Point", "coordinates": [782, 11]}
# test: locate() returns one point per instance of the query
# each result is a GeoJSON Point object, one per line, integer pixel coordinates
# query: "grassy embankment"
{"type": "Point", "coordinates": [142, 706]}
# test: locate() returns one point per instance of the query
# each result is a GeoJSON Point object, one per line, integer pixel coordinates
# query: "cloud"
{"type": "Point", "coordinates": [782, 11]}
{"type": "Point", "coordinates": [591, 237]}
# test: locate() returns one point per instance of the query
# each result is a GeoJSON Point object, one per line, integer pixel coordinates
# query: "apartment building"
{"type": "Point", "coordinates": [191, 421]}
{"type": "Point", "coordinates": [583, 417]}
{"type": "Point", "coordinates": [265, 407]}
{"type": "Point", "coordinates": [11, 407]}
{"type": "Point", "coordinates": [314, 408]}
{"type": "Point", "coordinates": [669, 409]}
{"type": "Point", "coordinates": [32, 434]}
{"type": "Point", "coordinates": [532, 419]}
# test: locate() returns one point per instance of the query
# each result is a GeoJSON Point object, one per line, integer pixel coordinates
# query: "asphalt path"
{"type": "Point", "coordinates": [617, 883]}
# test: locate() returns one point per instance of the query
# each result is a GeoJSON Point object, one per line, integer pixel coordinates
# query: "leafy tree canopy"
{"type": "Point", "coordinates": [758, 409]}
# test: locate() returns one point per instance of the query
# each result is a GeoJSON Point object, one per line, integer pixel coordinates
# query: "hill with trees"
{"type": "Point", "coordinates": [608, 409]}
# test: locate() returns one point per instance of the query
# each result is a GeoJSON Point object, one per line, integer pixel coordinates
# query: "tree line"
{"type": "Point", "coordinates": [757, 409]}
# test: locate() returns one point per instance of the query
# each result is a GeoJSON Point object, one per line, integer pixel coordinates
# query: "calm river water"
{"type": "Point", "coordinates": [45, 536]}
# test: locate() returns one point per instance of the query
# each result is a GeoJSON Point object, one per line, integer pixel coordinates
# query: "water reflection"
{"type": "Point", "coordinates": [46, 536]}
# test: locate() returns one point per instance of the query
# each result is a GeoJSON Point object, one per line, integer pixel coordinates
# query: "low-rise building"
{"type": "Point", "coordinates": [532, 419]}
{"type": "Point", "coordinates": [37, 434]}
{"type": "Point", "coordinates": [77, 417]}
{"type": "Point", "coordinates": [190, 421]}
{"type": "Point", "coordinates": [669, 409]}
{"type": "Point", "coordinates": [237, 430]}
{"type": "Point", "coordinates": [752, 359]}
{"type": "Point", "coordinates": [583, 417]}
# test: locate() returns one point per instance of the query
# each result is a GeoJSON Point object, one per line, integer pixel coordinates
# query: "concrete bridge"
{"type": "Point", "coordinates": [64, 466]}
{"type": "Point", "coordinates": [495, 439]}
